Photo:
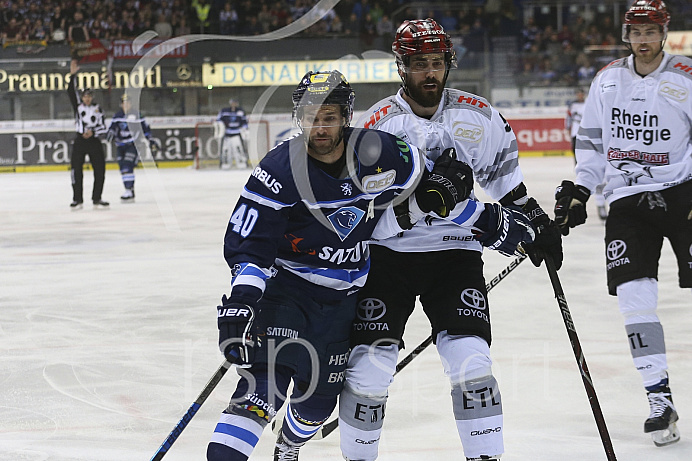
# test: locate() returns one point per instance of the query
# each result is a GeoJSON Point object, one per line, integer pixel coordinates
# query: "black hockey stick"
{"type": "Point", "coordinates": [329, 427]}
{"type": "Point", "coordinates": [187, 417]}
{"type": "Point", "coordinates": [581, 360]}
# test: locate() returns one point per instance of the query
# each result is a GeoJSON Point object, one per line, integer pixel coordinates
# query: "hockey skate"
{"type": "Point", "coordinates": [285, 450]}
{"type": "Point", "coordinates": [661, 422]}
{"type": "Point", "coordinates": [101, 205]}
{"type": "Point", "coordinates": [485, 458]}
{"type": "Point", "coordinates": [128, 196]}
{"type": "Point", "coordinates": [76, 205]}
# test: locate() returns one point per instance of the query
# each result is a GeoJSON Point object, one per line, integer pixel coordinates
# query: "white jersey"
{"type": "Point", "coordinates": [575, 111]}
{"type": "Point", "coordinates": [636, 131]}
{"type": "Point", "coordinates": [482, 138]}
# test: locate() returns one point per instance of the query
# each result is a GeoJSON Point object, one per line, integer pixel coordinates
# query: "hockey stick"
{"type": "Point", "coordinates": [581, 360]}
{"type": "Point", "coordinates": [329, 427]}
{"type": "Point", "coordinates": [187, 417]}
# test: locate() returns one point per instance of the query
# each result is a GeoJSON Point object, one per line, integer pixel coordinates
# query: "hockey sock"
{"type": "Point", "coordinates": [253, 405]}
{"type": "Point", "coordinates": [304, 419]}
{"type": "Point", "coordinates": [638, 301]}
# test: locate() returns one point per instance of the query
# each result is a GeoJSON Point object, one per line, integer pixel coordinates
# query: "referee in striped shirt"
{"type": "Point", "coordinates": [90, 123]}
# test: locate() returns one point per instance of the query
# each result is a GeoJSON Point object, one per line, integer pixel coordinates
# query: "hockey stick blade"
{"type": "Point", "coordinates": [329, 427]}
{"type": "Point", "coordinates": [581, 360]}
{"type": "Point", "coordinates": [187, 417]}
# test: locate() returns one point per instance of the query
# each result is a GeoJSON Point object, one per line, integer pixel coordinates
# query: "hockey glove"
{"type": "Point", "coordinates": [236, 336]}
{"type": "Point", "coordinates": [449, 183]}
{"type": "Point", "coordinates": [570, 205]}
{"type": "Point", "coordinates": [548, 240]}
{"type": "Point", "coordinates": [503, 229]}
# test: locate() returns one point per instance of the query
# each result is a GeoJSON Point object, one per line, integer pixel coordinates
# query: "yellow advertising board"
{"type": "Point", "coordinates": [268, 73]}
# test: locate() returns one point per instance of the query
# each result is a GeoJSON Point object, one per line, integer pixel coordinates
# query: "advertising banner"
{"type": "Point", "coordinates": [47, 145]}
{"type": "Point", "coordinates": [290, 72]}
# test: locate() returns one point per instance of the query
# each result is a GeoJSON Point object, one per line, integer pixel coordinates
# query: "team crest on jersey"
{"type": "Point", "coordinates": [345, 219]}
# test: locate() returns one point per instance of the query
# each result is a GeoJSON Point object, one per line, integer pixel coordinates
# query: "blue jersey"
{"type": "Point", "coordinates": [233, 120]}
{"type": "Point", "coordinates": [296, 222]}
{"type": "Point", "coordinates": [119, 130]}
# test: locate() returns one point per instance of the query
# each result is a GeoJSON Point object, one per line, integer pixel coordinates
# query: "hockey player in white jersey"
{"type": "Point", "coordinates": [636, 134]}
{"type": "Point", "coordinates": [435, 260]}
{"type": "Point", "coordinates": [575, 111]}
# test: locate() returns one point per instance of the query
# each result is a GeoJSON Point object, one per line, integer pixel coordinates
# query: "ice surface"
{"type": "Point", "coordinates": [108, 333]}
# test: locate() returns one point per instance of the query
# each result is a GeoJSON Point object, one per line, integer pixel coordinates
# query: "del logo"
{"type": "Point", "coordinates": [673, 91]}
{"type": "Point", "coordinates": [344, 220]}
{"type": "Point", "coordinates": [467, 132]}
{"type": "Point", "coordinates": [379, 182]}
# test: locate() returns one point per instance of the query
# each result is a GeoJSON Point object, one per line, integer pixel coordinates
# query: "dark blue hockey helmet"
{"type": "Point", "coordinates": [320, 88]}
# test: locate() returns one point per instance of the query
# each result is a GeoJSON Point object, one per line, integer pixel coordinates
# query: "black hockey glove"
{"type": "Point", "coordinates": [503, 229]}
{"type": "Point", "coordinates": [236, 336]}
{"type": "Point", "coordinates": [548, 240]}
{"type": "Point", "coordinates": [449, 183]}
{"type": "Point", "coordinates": [570, 206]}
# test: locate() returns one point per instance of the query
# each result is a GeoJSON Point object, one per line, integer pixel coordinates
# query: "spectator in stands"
{"type": "Point", "coordinates": [77, 32]}
{"type": "Point", "coordinates": [97, 27]}
{"type": "Point", "coordinates": [163, 28]}
{"type": "Point", "coordinates": [11, 31]}
{"type": "Point", "coordinates": [449, 22]}
{"type": "Point", "coordinates": [228, 20]}
{"type": "Point", "coordinates": [39, 31]}
{"type": "Point", "coordinates": [336, 27]}
{"type": "Point", "coordinates": [181, 27]}
{"type": "Point", "coordinates": [129, 29]}
{"type": "Point", "coordinates": [585, 71]}
{"type": "Point", "coordinates": [264, 18]}
{"type": "Point", "coordinates": [385, 27]}
{"type": "Point", "coordinates": [368, 30]}
{"type": "Point", "coordinates": [57, 24]}
{"type": "Point", "coordinates": [352, 25]}
{"type": "Point", "coordinates": [202, 9]}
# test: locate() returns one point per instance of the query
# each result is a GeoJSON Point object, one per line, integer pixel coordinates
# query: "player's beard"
{"type": "Point", "coordinates": [321, 148]}
{"type": "Point", "coordinates": [426, 98]}
{"type": "Point", "coordinates": [653, 51]}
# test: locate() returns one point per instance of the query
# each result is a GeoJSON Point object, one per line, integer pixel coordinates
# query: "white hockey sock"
{"type": "Point", "coordinates": [638, 301]}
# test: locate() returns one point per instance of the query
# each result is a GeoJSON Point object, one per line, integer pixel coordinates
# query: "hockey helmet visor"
{"type": "Point", "coordinates": [643, 13]}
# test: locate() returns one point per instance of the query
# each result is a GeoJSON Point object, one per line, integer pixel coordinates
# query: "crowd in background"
{"type": "Point", "coordinates": [571, 55]}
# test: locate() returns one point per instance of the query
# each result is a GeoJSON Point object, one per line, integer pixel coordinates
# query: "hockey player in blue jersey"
{"type": "Point", "coordinates": [233, 146]}
{"type": "Point", "coordinates": [126, 143]}
{"type": "Point", "coordinates": [297, 245]}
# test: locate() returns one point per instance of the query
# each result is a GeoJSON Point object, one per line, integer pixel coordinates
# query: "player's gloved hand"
{"type": "Point", "coordinates": [450, 182]}
{"type": "Point", "coordinates": [237, 338]}
{"type": "Point", "coordinates": [570, 205]}
{"type": "Point", "coordinates": [154, 147]}
{"type": "Point", "coordinates": [548, 240]}
{"type": "Point", "coordinates": [503, 229]}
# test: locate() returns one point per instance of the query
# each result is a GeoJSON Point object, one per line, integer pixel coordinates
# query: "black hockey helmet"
{"type": "Point", "coordinates": [320, 88]}
{"type": "Point", "coordinates": [86, 91]}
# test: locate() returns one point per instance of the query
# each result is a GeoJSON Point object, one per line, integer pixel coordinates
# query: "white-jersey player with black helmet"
{"type": "Point", "coordinates": [636, 133]}
{"type": "Point", "coordinates": [436, 261]}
